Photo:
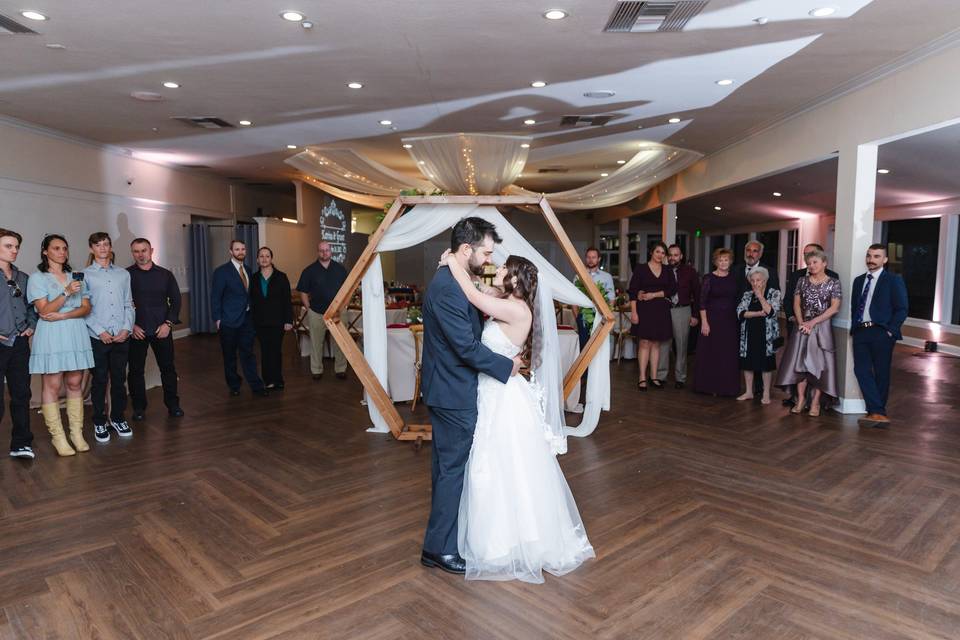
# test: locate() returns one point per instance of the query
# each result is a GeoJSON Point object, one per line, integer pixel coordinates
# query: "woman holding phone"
{"type": "Point", "coordinates": [61, 346]}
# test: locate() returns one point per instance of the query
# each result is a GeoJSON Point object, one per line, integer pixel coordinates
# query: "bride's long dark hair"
{"type": "Point", "coordinates": [526, 275]}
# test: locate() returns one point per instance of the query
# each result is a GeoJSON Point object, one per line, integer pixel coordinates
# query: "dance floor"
{"type": "Point", "coordinates": [282, 518]}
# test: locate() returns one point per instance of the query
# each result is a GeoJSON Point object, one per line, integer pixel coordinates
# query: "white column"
{"type": "Point", "coordinates": [853, 234]}
{"type": "Point", "coordinates": [625, 250]}
{"type": "Point", "coordinates": [669, 224]}
{"type": "Point", "coordinates": [946, 268]}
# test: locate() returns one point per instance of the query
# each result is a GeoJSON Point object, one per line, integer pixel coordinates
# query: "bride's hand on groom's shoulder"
{"type": "Point", "coordinates": [444, 259]}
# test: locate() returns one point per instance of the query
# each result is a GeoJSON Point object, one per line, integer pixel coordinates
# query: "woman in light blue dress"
{"type": "Point", "coordinates": [61, 345]}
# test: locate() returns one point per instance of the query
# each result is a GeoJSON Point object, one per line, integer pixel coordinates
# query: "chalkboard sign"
{"type": "Point", "coordinates": [335, 225]}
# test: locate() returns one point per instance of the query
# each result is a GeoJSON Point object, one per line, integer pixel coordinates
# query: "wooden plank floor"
{"type": "Point", "coordinates": [281, 518]}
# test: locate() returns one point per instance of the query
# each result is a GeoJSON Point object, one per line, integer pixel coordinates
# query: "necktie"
{"type": "Point", "coordinates": [675, 298]}
{"type": "Point", "coordinates": [243, 277]}
{"type": "Point", "coordinates": [862, 303]}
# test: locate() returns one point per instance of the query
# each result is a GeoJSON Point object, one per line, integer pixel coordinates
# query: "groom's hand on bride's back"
{"type": "Point", "coordinates": [517, 365]}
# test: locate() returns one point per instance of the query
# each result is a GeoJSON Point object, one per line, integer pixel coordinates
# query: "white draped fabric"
{"type": "Point", "coordinates": [374, 202]}
{"type": "Point", "coordinates": [470, 163]}
{"type": "Point", "coordinates": [347, 169]}
{"type": "Point", "coordinates": [650, 165]}
{"type": "Point", "coordinates": [426, 221]}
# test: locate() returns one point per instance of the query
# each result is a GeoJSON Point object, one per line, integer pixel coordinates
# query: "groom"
{"type": "Point", "coordinates": [452, 357]}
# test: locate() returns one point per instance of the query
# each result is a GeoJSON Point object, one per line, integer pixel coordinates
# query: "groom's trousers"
{"type": "Point", "coordinates": [452, 433]}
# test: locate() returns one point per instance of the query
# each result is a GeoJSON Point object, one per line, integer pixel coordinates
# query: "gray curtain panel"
{"type": "Point", "coordinates": [250, 234]}
{"type": "Point", "coordinates": [201, 318]}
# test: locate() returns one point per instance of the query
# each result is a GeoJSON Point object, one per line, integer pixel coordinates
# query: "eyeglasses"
{"type": "Point", "coordinates": [17, 291]}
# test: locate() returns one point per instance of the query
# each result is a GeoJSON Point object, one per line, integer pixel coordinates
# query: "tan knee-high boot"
{"type": "Point", "coordinates": [75, 420]}
{"type": "Point", "coordinates": [51, 415]}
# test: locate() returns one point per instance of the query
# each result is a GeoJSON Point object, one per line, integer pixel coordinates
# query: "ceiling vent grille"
{"type": "Point", "coordinates": [639, 16]}
{"type": "Point", "coordinates": [205, 122]}
{"type": "Point", "coordinates": [585, 121]}
{"type": "Point", "coordinates": [11, 26]}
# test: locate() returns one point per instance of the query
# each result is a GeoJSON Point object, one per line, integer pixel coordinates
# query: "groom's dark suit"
{"type": "Point", "coordinates": [452, 357]}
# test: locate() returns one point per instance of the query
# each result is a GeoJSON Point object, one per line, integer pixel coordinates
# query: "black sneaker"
{"type": "Point", "coordinates": [122, 428]}
{"type": "Point", "coordinates": [175, 413]}
{"type": "Point", "coordinates": [22, 452]}
{"type": "Point", "coordinates": [101, 433]}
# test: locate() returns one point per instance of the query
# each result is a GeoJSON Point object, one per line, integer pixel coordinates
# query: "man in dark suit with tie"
{"type": "Point", "coordinates": [453, 355]}
{"type": "Point", "coordinates": [230, 305]}
{"type": "Point", "coordinates": [878, 307]}
{"type": "Point", "coordinates": [752, 256]}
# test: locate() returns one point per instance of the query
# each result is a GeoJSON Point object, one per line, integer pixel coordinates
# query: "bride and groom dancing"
{"type": "Point", "coordinates": [501, 508]}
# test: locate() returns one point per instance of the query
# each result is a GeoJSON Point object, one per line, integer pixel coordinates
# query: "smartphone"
{"type": "Point", "coordinates": [77, 275]}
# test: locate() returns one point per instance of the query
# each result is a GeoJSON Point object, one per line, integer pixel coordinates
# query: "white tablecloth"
{"type": "Point", "coordinates": [394, 316]}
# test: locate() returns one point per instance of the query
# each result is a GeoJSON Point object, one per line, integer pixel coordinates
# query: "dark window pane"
{"type": "Point", "coordinates": [740, 241]}
{"type": "Point", "coordinates": [771, 248]}
{"type": "Point", "coordinates": [912, 247]}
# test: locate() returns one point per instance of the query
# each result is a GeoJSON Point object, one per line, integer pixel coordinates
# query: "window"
{"type": "Point", "coordinates": [771, 248]}
{"type": "Point", "coordinates": [740, 241]}
{"type": "Point", "coordinates": [912, 248]}
{"type": "Point", "coordinates": [793, 251]}
{"type": "Point", "coordinates": [610, 255]}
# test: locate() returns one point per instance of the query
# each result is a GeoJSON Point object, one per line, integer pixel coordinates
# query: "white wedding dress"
{"type": "Point", "coordinates": [517, 515]}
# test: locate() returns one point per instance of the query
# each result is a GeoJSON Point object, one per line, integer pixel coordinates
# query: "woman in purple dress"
{"type": "Point", "coordinates": [650, 289]}
{"type": "Point", "coordinates": [717, 369]}
{"type": "Point", "coordinates": [811, 355]}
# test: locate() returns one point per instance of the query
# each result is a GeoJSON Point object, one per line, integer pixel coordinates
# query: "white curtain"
{"type": "Point", "coordinates": [374, 202]}
{"type": "Point", "coordinates": [470, 163]}
{"type": "Point", "coordinates": [426, 221]}
{"type": "Point", "coordinates": [347, 169]}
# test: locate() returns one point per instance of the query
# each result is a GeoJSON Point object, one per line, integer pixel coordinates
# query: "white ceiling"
{"type": "Point", "coordinates": [435, 67]}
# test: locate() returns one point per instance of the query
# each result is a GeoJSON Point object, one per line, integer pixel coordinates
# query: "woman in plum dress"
{"type": "Point", "coordinates": [718, 348]}
{"type": "Point", "coordinates": [650, 289]}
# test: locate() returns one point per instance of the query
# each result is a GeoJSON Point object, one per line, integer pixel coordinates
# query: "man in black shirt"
{"type": "Point", "coordinates": [318, 286]}
{"type": "Point", "coordinates": [156, 299]}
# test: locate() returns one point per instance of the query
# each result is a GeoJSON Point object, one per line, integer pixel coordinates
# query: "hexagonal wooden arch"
{"type": "Point", "coordinates": [355, 357]}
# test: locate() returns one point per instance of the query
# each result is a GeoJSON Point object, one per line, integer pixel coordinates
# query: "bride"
{"type": "Point", "coordinates": [517, 515]}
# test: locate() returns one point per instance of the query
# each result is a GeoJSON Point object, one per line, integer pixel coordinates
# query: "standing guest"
{"type": "Point", "coordinates": [230, 306]}
{"type": "Point", "coordinates": [651, 286]}
{"type": "Point", "coordinates": [810, 356]}
{"type": "Point", "coordinates": [61, 345]}
{"type": "Point", "coordinates": [592, 260]}
{"type": "Point", "coordinates": [684, 313]}
{"type": "Point", "coordinates": [759, 333]}
{"type": "Point", "coordinates": [18, 319]}
{"type": "Point", "coordinates": [110, 323]}
{"type": "Point", "coordinates": [272, 316]}
{"type": "Point", "coordinates": [318, 286]}
{"type": "Point", "coordinates": [878, 307]}
{"type": "Point", "coordinates": [752, 258]}
{"type": "Point", "coordinates": [156, 301]}
{"type": "Point", "coordinates": [788, 310]}
{"type": "Point", "coordinates": [717, 363]}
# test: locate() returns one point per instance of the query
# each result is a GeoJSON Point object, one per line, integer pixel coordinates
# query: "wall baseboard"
{"type": "Point", "coordinates": [182, 333]}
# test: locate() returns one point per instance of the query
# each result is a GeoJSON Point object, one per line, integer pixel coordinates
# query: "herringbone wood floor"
{"type": "Point", "coordinates": [281, 518]}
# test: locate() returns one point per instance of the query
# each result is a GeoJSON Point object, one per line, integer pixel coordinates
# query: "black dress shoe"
{"type": "Point", "coordinates": [263, 393]}
{"type": "Point", "coordinates": [175, 413]}
{"type": "Point", "coordinates": [317, 376]}
{"type": "Point", "coordinates": [678, 385]}
{"type": "Point", "coordinates": [451, 563]}
{"type": "Point", "coordinates": [138, 416]}
{"type": "Point", "coordinates": [789, 402]}
{"type": "Point", "coordinates": [234, 392]}
{"type": "Point", "coordinates": [342, 375]}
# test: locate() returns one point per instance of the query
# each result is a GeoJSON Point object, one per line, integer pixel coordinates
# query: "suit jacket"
{"type": "Point", "coordinates": [743, 285]}
{"type": "Point", "coordinates": [889, 305]}
{"type": "Point", "coordinates": [276, 309]}
{"type": "Point", "coordinates": [452, 351]}
{"type": "Point", "coordinates": [791, 290]}
{"type": "Point", "coordinates": [229, 299]}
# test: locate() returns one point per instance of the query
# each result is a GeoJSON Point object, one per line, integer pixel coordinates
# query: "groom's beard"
{"type": "Point", "coordinates": [477, 269]}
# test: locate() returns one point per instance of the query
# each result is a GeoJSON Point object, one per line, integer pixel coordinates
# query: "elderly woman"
{"type": "Point", "coordinates": [715, 368]}
{"type": "Point", "coordinates": [810, 357]}
{"type": "Point", "coordinates": [759, 332]}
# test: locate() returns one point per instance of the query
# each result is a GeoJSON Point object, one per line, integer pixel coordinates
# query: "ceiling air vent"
{"type": "Point", "coordinates": [205, 122]}
{"type": "Point", "coordinates": [10, 26]}
{"type": "Point", "coordinates": [638, 16]}
{"type": "Point", "coordinates": [584, 121]}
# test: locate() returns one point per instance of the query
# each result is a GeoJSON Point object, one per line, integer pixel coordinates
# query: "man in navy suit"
{"type": "Point", "coordinates": [452, 357]}
{"type": "Point", "coordinates": [230, 304]}
{"type": "Point", "coordinates": [878, 307]}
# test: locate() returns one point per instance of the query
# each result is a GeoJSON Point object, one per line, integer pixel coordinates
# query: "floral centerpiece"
{"type": "Point", "coordinates": [414, 315]}
{"type": "Point", "coordinates": [589, 313]}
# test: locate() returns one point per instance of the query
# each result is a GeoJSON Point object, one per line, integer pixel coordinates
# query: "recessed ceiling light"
{"type": "Point", "coordinates": [555, 14]}
{"type": "Point", "coordinates": [245, 123]}
{"type": "Point", "coordinates": [777, 194]}
{"type": "Point", "coordinates": [725, 83]}
{"type": "Point", "coordinates": [621, 162]}
{"type": "Point", "coordinates": [386, 123]}
{"type": "Point", "coordinates": [291, 146]}
{"type": "Point", "coordinates": [355, 85]}
{"type": "Point", "coordinates": [171, 85]}
{"type": "Point", "coordinates": [408, 146]}
{"type": "Point", "coordinates": [604, 175]}
{"type": "Point", "coordinates": [422, 162]}
{"type": "Point", "coordinates": [673, 120]}
{"type": "Point", "coordinates": [292, 16]}
{"type": "Point", "coordinates": [718, 208]}
{"type": "Point", "coordinates": [33, 15]}
{"type": "Point", "coordinates": [539, 84]}
{"type": "Point", "coordinates": [528, 122]}
{"type": "Point", "coordinates": [525, 145]}
{"type": "Point", "coordinates": [823, 12]}
{"type": "Point", "coordinates": [306, 24]}
{"type": "Point", "coordinates": [884, 171]}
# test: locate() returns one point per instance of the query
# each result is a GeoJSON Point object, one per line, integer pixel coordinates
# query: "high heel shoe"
{"type": "Point", "coordinates": [815, 411]}
{"type": "Point", "coordinates": [642, 385]}
{"type": "Point", "coordinates": [657, 384]}
{"type": "Point", "coordinates": [798, 408]}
